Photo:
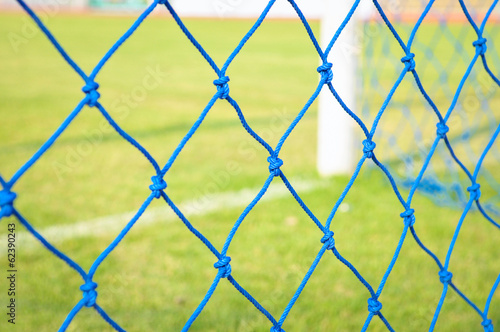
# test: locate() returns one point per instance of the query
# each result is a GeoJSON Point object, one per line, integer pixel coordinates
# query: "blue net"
{"type": "Point", "coordinates": [441, 44]}
{"type": "Point", "coordinates": [423, 169]}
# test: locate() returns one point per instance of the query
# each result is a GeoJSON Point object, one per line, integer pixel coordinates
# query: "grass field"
{"type": "Point", "coordinates": [157, 276]}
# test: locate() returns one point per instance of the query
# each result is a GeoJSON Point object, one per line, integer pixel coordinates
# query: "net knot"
{"type": "Point", "coordinates": [475, 191]}
{"type": "Point", "coordinates": [158, 185]}
{"type": "Point", "coordinates": [487, 325]}
{"type": "Point", "coordinates": [326, 72]}
{"type": "Point", "coordinates": [274, 165]}
{"type": "Point", "coordinates": [368, 147]}
{"type": "Point", "coordinates": [329, 240]}
{"type": "Point", "coordinates": [89, 293]}
{"type": "Point", "coordinates": [92, 95]}
{"type": "Point", "coordinates": [223, 265]}
{"type": "Point", "coordinates": [409, 61]}
{"type": "Point", "coordinates": [409, 217]}
{"type": "Point", "coordinates": [445, 276]}
{"type": "Point", "coordinates": [374, 306]}
{"type": "Point", "coordinates": [222, 87]}
{"type": "Point", "coordinates": [442, 129]}
{"type": "Point", "coordinates": [480, 45]}
{"type": "Point", "coordinates": [277, 328]}
{"type": "Point", "coordinates": [162, 2]}
{"type": "Point", "coordinates": [7, 197]}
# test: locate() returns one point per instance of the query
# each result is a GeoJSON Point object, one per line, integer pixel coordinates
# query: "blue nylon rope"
{"type": "Point", "coordinates": [301, 202]}
{"type": "Point", "coordinates": [308, 29]}
{"type": "Point", "coordinates": [190, 227]}
{"type": "Point", "coordinates": [120, 236]}
{"type": "Point", "coordinates": [252, 300]}
{"type": "Point", "coordinates": [339, 30]}
{"type": "Point", "coordinates": [121, 40]}
{"type": "Point", "coordinates": [54, 42]}
{"type": "Point", "coordinates": [389, 25]}
{"type": "Point", "coordinates": [191, 38]}
{"type": "Point", "coordinates": [490, 296]}
{"type": "Point", "coordinates": [418, 24]}
{"type": "Point", "coordinates": [245, 213]}
{"type": "Point", "coordinates": [46, 145]}
{"type": "Point", "coordinates": [49, 246]}
{"type": "Point", "coordinates": [247, 37]}
{"type": "Point", "coordinates": [129, 138]}
{"type": "Point", "coordinates": [490, 219]}
{"type": "Point", "coordinates": [89, 288]}
{"type": "Point", "coordinates": [303, 283]}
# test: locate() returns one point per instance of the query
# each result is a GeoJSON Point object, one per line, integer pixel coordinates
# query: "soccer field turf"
{"type": "Point", "coordinates": [155, 86]}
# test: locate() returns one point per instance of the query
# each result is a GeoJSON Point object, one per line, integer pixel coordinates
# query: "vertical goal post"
{"type": "Point", "coordinates": [335, 128]}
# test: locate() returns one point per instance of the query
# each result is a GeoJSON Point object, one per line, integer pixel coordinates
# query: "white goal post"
{"type": "Point", "coordinates": [336, 139]}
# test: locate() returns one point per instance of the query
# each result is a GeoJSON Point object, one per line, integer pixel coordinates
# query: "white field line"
{"type": "Point", "coordinates": [113, 224]}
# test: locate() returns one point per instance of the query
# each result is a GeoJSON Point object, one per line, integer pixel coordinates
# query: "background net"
{"type": "Point", "coordinates": [442, 44]}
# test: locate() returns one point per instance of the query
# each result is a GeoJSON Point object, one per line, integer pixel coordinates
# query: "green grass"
{"type": "Point", "coordinates": [157, 276]}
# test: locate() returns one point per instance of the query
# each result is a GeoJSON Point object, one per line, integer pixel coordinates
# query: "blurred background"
{"type": "Point", "coordinates": [89, 184]}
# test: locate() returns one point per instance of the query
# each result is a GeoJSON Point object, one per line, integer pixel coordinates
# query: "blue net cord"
{"type": "Point", "coordinates": [326, 237]}
{"type": "Point", "coordinates": [450, 191]}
